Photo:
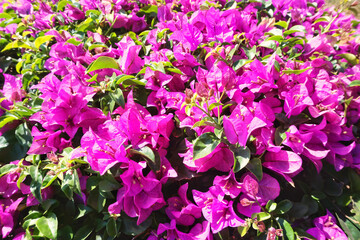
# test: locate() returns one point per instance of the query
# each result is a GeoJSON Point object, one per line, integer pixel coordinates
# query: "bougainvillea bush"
{"type": "Point", "coordinates": [180, 119]}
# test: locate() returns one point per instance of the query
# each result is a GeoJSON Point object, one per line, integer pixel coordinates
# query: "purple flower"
{"type": "Point", "coordinates": [140, 195]}
{"type": "Point", "coordinates": [181, 209]}
{"type": "Point", "coordinates": [285, 163]}
{"type": "Point", "coordinates": [257, 78]}
{"type": "Point", "coordinates": [7, 215]}
{"type": "Point", "coordinates": [189, 35]}
{"type": "Point", "coordinates": [221, 159]}
{"type": "Point", "coordinates": [296, 100]}
{"type": "Point", "coordinates": [12, 90]}
{"type": "Point", "coordinates": [130, 61]}
{"type": "Point", "coordinates": [228, 184]}
{"type": "Point", "coordinates": [326, 228]}
{"type": "Point", "coordinates": [223, 216]}
{"type": "Point", "coordinates": [102, 154]}
{"type": "Point", "coordinates": [257, 193]}
{"type": "Point", "coordinates": [295, 140]}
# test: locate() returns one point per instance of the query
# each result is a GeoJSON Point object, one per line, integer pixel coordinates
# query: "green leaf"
{"type": "Point", "coordinates": [204, 145]}
{"type": "Point", "coordinates": [102, 63]}
{"type": "Point", "coordinates": [133, 82]}
{"type": "Point", "coordinates": [333, 188]}
{"type": "Point", "coordinates": [61, 5]}
{"type": "Point", "coordinates": [239, 63]}
{"type": "Point", "coordinates": [298, 71]}
{"type": "Point", "coordinates": [111, 227]}
{"type": "Point", "coordinates": [268, 44]}
{"type": "Point", "coordinates": [73, 41]}
{"type": "Point", "coordinates": [43, 39]}
{"type": "Point", "coordinates": [355, 83]}
{"type": "Point", "coordinates": [108, 184]}
{"type": "Point", "coordinates": [83, 210]}
{"type": "Point", "coordinates": [288, 230]}
{"type": "Point", "coordinates": [149, 9]}
{"type": "Point", "coordinates": [251, 53]}
{"type": "Point", "coordinates": [16, 44]}
{"type": "Point", "coordinates": [271, 206]}
{"type": "Point", "coordinates": [71, 184]}
{"type": "Point", "coordinates": [147, 152]}
{"type": "Point", "coordinates": [298, 210]}
{"type": "Point", "coordinates": [296, 28]}
{"type": "Point", "coordinates": [174, 70]}
{"type": "Point", "coordinates": [23, 135]}
{"type": "Point", "coordinates": [7, 168]}
{"type": "Point", "coordinates": [84, 232]}
{"type": "Point", "coordinates": [65, 233]}
{"type": "Point", "coordinates": [7, 119]}
{"type": "Point", "coordinates": [303, 234]}
{"type": "Point", "coordinates": [283, 206]}
{"type": "Point", "coordinates": [214, 105]}
{"type": "Point", "coordinates": [96, 45]}
{"type": "Point", "coordinates": [241, 157]}
{"type": "Point", "coordinates": [5, 15]}
{"type": "Point", "coordinates": [262, 216]}
{"type": "Point", "coordinates": [118, 97]}
{"type": "Point", "coordinates": [282, 24]}
{"type": "Point", "coordinates": [352, 230]}
{"type": "Point", "coordinates": [243, 230]}
{"type": "Point", "coordinates": [36, 182]}
{"type": "Point", "coordinates": [130, 227]}
{"type": "Point", "coordinates": [322, 19]}
{"type": "Point", "coordinates": [255, 167]}
{"type": "Point", "coordinates": [157, 66]}
{"type": "Point", "coordinates": [351, 58]}
{"type": "Point", "coordinates": [122, 78]}
{"type": "Point", "coordinates": [93, 78]}
{"type": "Point", "coordinates": [47, 225]}
{"type": "Point", "coordinates": [354, 180]}
{"type": "Point", "coordinates": [276, 38]}
{"type": "Point", "coordinates": [21, 178]}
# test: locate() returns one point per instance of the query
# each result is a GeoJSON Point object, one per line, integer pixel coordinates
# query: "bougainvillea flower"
{"type": "Point", "coordinates": [223, 216]}
{"type": "Point", "coordinates": [283, 162]}
{"type": "Point", "coordinates": [221, 158]}
{"type": "Point", "coordinates": [205, 200]}
{"type": "Point", "coordinates": [12, 90]}
{"type": "Point", "coordinates": [257, 79]}
{"type": "Point", "coordinates": [228, 184]}
{"type": "Point", "coordinates": [296, 100]}
{"type": "Point", "coordinates": [189, 36]}
{"type": "Point", "coordinates": [326, 228]}
{"type": "Point", "coordinates": [263, 191]}
{"type": "Point", "coordinates": [295, 140]}
{"type": "Point", "coordinates": [135, 181]}
{"type": "Point", "coordinates": [7, 211]}
{"type": "Point", "coordinates": [181, 209]}
{"type": "Point", "coordinates": [235, 131]}
{"type": "Point", "coordinates": [248, 206]}
{"type": "Point", "coordinates": [101, 153]}
{"type": "Point", "coordinates": [47, 141]}
{"type": "Point", "coordinates": [140, 195]}
{"type": "Point", "coordinates": [131, 62]}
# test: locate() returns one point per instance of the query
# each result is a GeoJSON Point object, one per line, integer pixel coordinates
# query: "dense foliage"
{"type": "Point", "coordinates": [179, 120]}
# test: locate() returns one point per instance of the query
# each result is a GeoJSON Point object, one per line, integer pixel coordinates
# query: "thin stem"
{"type": "Point", "coordinates": [207, 114]}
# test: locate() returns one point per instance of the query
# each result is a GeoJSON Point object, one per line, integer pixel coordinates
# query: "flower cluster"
{"type": "Point", "coordinates": [179, 119]}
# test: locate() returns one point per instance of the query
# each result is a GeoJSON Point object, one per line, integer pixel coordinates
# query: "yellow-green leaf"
{"type": "Point", "coordinates": [42, 39]}
{"type": "Point", "coordinates": [16, 44]}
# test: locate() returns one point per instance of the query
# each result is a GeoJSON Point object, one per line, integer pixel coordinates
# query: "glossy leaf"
{"type": "Point", "coordinates": [48, 225]}
{"type": "Point", "coordinates": [204, 145]}
{"type": "Point", "coordinates": [255, 167]}
{"type": "Point", "coordinates": [242, 158]}
{"type": "Point", "coordinates": [101, 63]}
